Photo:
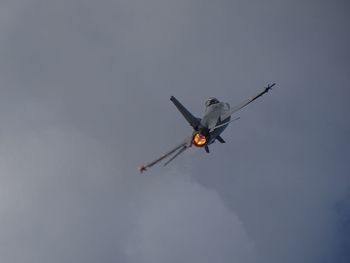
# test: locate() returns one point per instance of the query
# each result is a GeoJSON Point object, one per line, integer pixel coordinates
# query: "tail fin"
{"type": "Point", "coordinates": [193, 121]}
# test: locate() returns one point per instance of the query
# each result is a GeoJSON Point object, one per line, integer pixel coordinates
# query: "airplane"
{"type": "Point", "coordinates": [206, 130]}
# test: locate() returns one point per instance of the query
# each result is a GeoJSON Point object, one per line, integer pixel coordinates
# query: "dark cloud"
{"type": "Point", "coordinates": [84, 99]}
{"type": "Point", "coordinates": [181, 221]}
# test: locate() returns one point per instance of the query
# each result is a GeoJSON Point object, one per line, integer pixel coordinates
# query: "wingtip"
{"type": "Point", "coordinates": [269, 86]}
{"type": "Point", "coordinates": [142, 169]}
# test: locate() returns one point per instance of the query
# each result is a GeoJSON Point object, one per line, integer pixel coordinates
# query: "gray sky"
{"type": "Point", "coordinates": [85, 89]}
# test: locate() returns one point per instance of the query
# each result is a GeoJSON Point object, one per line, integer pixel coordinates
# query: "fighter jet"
{"type": "Point", "coordinates": [206, 130]}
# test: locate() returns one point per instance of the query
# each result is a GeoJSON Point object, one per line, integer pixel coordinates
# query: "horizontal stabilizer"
{"type": "Point", "coordinates": [220, 139]}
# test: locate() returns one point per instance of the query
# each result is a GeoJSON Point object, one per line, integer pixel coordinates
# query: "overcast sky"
{"type": "Point", "coordinates": [85, 88]}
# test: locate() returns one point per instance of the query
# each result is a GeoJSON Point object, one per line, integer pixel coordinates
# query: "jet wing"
{"type": "Point", "coordinates": [177, 150]}
{"type": "Point", "coordinates": [228, 113]}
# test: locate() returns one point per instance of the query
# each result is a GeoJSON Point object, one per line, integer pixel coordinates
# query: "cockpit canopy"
{"type": "Point", "coordinates": [211, 101]}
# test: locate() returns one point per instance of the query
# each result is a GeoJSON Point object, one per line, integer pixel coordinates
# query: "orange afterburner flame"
{"type": "Point", "coordinates": [199, 140]}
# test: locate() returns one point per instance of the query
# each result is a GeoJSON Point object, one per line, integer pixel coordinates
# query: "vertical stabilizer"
{"type": "Point", "coordinates": [192, 120]}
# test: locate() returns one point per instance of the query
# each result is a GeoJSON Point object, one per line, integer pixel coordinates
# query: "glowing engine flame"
{"type": "Point", "coordinates": [199, 140]}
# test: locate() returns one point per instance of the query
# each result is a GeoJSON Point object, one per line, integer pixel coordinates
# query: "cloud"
{"type": "Point", "coordinates": [63, 198]}
{"type": "Point", "coordinates": [180, 221]}
{"type": "Point", "coordinates": [56, 197]}
{"type": "Point", "coordinates": [84, 100]}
